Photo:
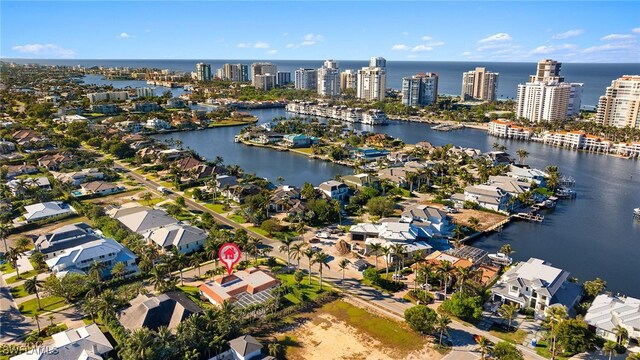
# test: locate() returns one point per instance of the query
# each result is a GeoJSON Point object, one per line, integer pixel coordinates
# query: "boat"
{"type": "Point", "coordinates": [636, 213]}
{"type": "Point", "coordinates": [500, 259]}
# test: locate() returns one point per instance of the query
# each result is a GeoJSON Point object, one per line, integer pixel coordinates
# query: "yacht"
{"type": "Point", "coordinates": [501, 259]}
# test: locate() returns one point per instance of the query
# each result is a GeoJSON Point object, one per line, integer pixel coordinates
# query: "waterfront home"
{"type": "Point", "coordinates": [245, 347]}
{"type": "Point", "coordinates": [157, 124]}
{"type": "Point", "coordinates": [53, 243]}
{"type": "Point", "coordinates": [146, 107]}
{"type": "Point", "coordinates": [175, 103]}
{"type": "Point", "coordinates": [78, 177]}
{"type": "Point", "coordinates": [84, 343]}
{"type": "Point", "coordinates": [81, 257]}
{"type": "Point", "coordinates": [628, 149]}
{"type": "Point", "coordinates": [390, 229]}
{"type": "Point", "coordinates": [334, 190]}
{"type": "Point", "coordinates": [398, 158]}
{"type": "Point", "coordinates": [16, 170]}
{"type": "Point", "coordinates": [608, 312]}
{"type": "Point", "coordinates": [46, 210]}
{"type": "Point", "coordinates": [526, 174]}
{"type": "Point", "coordinates": [239, 192]}
{"type": "Point", "coordinates": [507, 129]}
{"type": "Point", "coordinates": [223, 181]}
{"type": "Point", "coordinates": [511, 186]}
{"type": "Point", "coordinates": [296, 140]}
{"type": "Point", "coordinates": [56, 161]}
{"type": "Point", "coordinates": [368, 154]}
{"type": "Point", "coordinates": [489, 273]}
{"type": "Point", "coordinates": [286, 199]}
{"type": "Point", "coordinates": [242, 288]}
{"type": "Point", "coordinates": [360, 180]}
{"type": "Point", "coordinates": [151, 311]}
{"type": "Point", "coordinates": [184, 238]}
{"type": "Point", "coordinates": [487, 196]}
{"type": "Point", "coordinates": [499, 158]}
{"type": "Point", "coordinates": [537, 285]}
{"type": "Point", "coordinates": [100, 188]}
{"type": "Point", "coordinates": [67, 119]}
{"type": "Point", "coordinates": [129, 126]}
{"type": "Point", "coordinates": [105, 109]}
{"type": "Point", "coordinates": [19, 186]}
{"type": "Point", "coordinates": [569, 139]}
{"type": "Point", "coordinates": [427, 216]}
{"type": "Point", "coordinates": [172, 154]}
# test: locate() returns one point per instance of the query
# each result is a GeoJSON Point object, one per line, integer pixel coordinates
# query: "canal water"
{"type": "Point", "coordinates": [591, 236]}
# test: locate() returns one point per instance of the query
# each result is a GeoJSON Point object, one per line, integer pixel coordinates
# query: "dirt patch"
{"type": "Point", "coordinates": [33, 234]}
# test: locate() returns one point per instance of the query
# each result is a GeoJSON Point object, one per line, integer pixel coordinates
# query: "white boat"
{"type": "Point", "coordinates": [500, 259]}
{"type": "Point", "coordinates": [636, 213]}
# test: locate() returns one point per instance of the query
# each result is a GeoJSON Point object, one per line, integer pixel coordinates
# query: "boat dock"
{"type": "Point", "coordinates": [447, 127]}
{"type": "Point", "coordinates": [530, 216]}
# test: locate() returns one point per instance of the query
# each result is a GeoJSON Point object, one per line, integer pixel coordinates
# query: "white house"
{"type": "Point", "coordinates": [608, 311]}
{"type": "Point", "coordinates": [427, 216]}
{"type": "Point", "coordinates": [538, 285]}
{"type": "Point", "coordinates": [184, 238]}
{"type": "Point", "coordinates": [157, 124]}
{"type": "Point", "coordinates": [80, 258]}
{"type": "Point", "coordinates": [100, 188]}
{"type": "Point", "coordinates": [245, 348]}
{"type": "Point", "coordinates": [487, 196]}
{"type": "Point", "coordinates": [334, 190]}
{"type": "Point", "coordinates": [46, 210]}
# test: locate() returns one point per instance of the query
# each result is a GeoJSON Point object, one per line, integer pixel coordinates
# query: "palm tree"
{"type": "Point", "coordinates": [4, 233]}
{"type": "Point", "coordinates": [196, 261]}
{"type": "Point", "coordinates": [506, 249]}
{"type": "Point", "coordinates": [399, 251]}
{"type": "Point", "coordinates": [164, 338]}
{"type": "Point", "coordinates": [609, 348]}
{"type": "Point", "coordinates": [274, 349]}
{"type": "Point", "coordinates": [442, 324]}
{"type": "Point", "coordinates": [97, 270]}
{"type": "Point", "coordinates": [485, 346]}
{"type": "Point", "coordinates": [286, 247]}
{"type": "Point", "coordinates": [90, 306]}
{"type": "Point", "coordinates": [179, 261]}
{"type": "Point", "coordinates": [310, 253]}
{"type": "Point", "coordinates": [343, 265]}
{"type": "Point", "coordinates": [297, 251]}
{"type": "Point", "coordinates": [444, 270]}
{"type": "Point", "coordinates": [458, 232]}
{"type": "Point", "coordinates": [386, 253]}
{"type": "Point", "coordinates": [320, 258]}
{"type": "Point", "coordinates": [621, 334]}
{"type": "Point", "coordinates": [36, 318]}
{"type": "Point", "coordinates": [554, 316]}
{"type": "Point", "coordinates": [507, 311]}
{"type": "Point", "coordinates": [522, 154]}
{"type": "Point", "coordinates": [12, 255]}
{"type": "Point", "coordinates": [375, 250]}
{"type": "Point", "coordinates": [31, 286]}
{"type": "Point", "coordinates": [138, 345]}
{"type": "Point", "coordinates": [464, 274]}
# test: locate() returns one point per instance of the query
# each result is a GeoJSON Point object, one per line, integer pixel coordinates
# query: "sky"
{"type": "Point", "coordinates": [585, 31]}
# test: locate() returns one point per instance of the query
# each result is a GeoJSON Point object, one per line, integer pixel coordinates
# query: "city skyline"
{"type": "Point", "coordinates": [593, 33]}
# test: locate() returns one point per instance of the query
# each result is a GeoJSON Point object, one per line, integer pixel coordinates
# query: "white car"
{"type": "Point", "coordinates": [322, 235]}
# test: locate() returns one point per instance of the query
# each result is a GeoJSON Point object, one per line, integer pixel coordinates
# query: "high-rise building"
{"type": "Point", "coordinates": [479, 84]}
{"type": "Point", "coordinates": [620, 104]}
{"type": "Point", "coordinates": [236, 72]}
{"type": "Point", "coordinates": [372, 83]}
{"type": "Point", "coordinates": [378, 62]}
{"type": "Point", "coordinates": [546, 97]}
{"type": "Point", "coordinates": [261, 69]}
{"type": "Point", "coordinates": [420, 90]}
{"type": "Point", "coordinates": [329, 79]}
{"type": "Point", "coordinates": [284, 78]}
{"type": "Point", "coordinates": [306, 79]}
{"type": "Point", "coordinates": [348, 79]}
{"type": "Point", "coordinates": [264, 82]}
{"type": "Point", "coordinates": [203, 72]}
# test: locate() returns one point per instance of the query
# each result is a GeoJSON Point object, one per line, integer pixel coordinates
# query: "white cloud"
{"type": "Point", "coordinates": [45, 49]}
{"type": "Point", "coordinates": [549, 49]}
{"type": "Point", "coordinates": [617, 37]}
{"type": "Point", "coordinates": [292, 46]}
{"type": "Point", "coordinates": [400, 47]}
{"type": "Point", "coordinates": [427, 38]}
{"type": "Point", "coordinates": [636, 30]}
{"type": "Point", "coordinates": [467, 53]}
{"type": "Point", "coordinates": [124, 35]}
{"type": "Point", "coordinates": [568, 34]}
{"type": "Point", "coordinates": [258, 45]}
{"type": "Point", "coordinates": [493, 46]}
{"type": "Point", "coordinates": [610, 47]}
{"type": "Point", "coordinates": [499, 37]}
{"type": "Point", "coordinates": [421, 48]}
{"type": "Point", "coordinates": [412, 56]}
{"type": "Point", "coordinates": [313, 37]}
{"type": "Point", "coordinates": [272, 52]}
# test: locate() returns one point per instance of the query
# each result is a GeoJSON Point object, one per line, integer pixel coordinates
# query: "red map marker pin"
{"type": "Point", "coordinates": [229, 255]}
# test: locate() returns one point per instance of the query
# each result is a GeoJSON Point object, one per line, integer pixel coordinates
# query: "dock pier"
{"type": "Point", "coordinates": [531, 216]}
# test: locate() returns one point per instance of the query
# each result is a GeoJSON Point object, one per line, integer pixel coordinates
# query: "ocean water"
{"type": "Point", "coordinates": [596, 77]}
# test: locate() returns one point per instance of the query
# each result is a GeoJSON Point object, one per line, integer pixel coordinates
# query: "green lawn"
{"type": "Point", "coordinates": [542, 349]}
{"type": "Point", "coordinates": [305, 291]}
{"type": "Point", "coordinates": [389, 333]}
{"type": "Point", "coordinates": [516, 337]}
{"type": "Point", "coordinates": [29, 308]}
{"type": "Point", "coordinates": [258, 230]}
{"type": "Point", "coordinates": [18, 292]}
{"type": "Point", "coordinates": [237, 218]}
{"type": "Point", "coordinates": [7, 268]}
{"type": "Point", "coordinates": [151, 202]}
{"type": "Point", "coordinates": [219, 208]}
{"type": "Point", "coordinates": [191, 292]}
{"type": "Point", "coordinates": [23, 276]}
{"type": "Point", "coordinates": [304, 150]}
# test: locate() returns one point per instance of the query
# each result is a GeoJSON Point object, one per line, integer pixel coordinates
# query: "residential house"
{"type": "Point", "coordinates": [245, 347]}
{"type": "Point", "coordinates": [56, 161]}
{"type": "Point", "coordinates": [525, 174]}
{"type": "Point", "coordinates": [511, 186]}
{"type": "Point", "coordinates": [151, 311]}
{"type": "Point", "coordinates": [224, 181]}
{"type": "Point", "coordinates": [367, 154]}
{"type": "Point", "coordinates": [157, 124]}
{"type": "Point", "coordinates": [424, 215]}
{"type": "Point", "coordinates": [296, 140]}
{"type": "Point", "coordinates": [184, 238]}
{"type": "Point", "coordinates": [487, 196]}
{"type": "Point", "coordinates": [538, 285]}
{"type": "Point", "coordinates": [141, 219]}
{"type": "Point", "coordinates": [173, 154]}
{"type": "Point", "coordinates": [46, 210]}
{"type": "Point", "coordinates": [100, 188]}
{"type": "Point", "coordinates": [388, 233]}
{"type": "Point", "coordinates": [489, 273]}
{"type": "Point", "coordinates": [16, 170]}
{"type": "Point", "coordinates": [19, 186]}
{"type": "Point", "coordinates": [499, 158]}
{"type": "Point", "coordinates": [334, 190]}
{"type": "Point", "coordinates": [53, 243]}
{"type": "Point", "coordinates": [29, 138]}
{"type": "Point", "coordinates": [129, 126]}
{"type": "Point", "coordinates": [7, 147]}
{"type": "Point", "coordinates": [175, 103]}
{"type": "Point", "coordinates": [78, 177]}
{"type": "Point", "coordinates": [286, 199]}
{"type": "Point", "coordinates": [239, 192]}
{"type": "Point", "coordinates": [399, 157]}
{"type": "Point", "coordinates": [360, 180]}
{"type": "Point", "coordinates": [243, 288]}
{"type": "Point", "coordinates": [84, 343]}
{"type": "Point", "coordinates": [81, 257]}
{"type": "Point", "coordinates": [608, 312]}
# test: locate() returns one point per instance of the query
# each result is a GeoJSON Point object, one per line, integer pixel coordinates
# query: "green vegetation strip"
{"type": "Point", "coordinates": [30, 307]}
{"type": "Point", "coordinates": [303, 292]}
{"type": "Point", "coordinates": [18, 292]}
{"type": "Point", "coordinates": [23, 276]}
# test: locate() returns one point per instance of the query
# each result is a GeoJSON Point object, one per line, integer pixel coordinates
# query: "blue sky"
{"type": "Point", "coordinates": [438, 31]}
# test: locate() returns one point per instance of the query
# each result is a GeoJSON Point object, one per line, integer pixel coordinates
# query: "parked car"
{"type": "Point", "coordinates": [322, 235]}
{"type": "Point", "coordinates": [398, 277]}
